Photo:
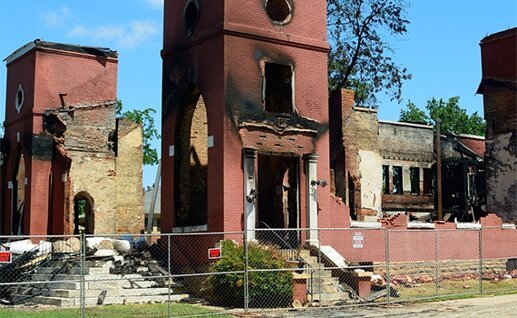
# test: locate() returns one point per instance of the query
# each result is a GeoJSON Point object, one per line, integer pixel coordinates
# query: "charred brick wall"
{"type": "Point", "coordinates": [111, 179]}
{"type": "Point", "coordinates": [499, 89]}
{"type": "Point", "coordinates": [223, 57]}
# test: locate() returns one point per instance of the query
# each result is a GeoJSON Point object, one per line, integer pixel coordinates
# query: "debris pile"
{"type": "Point", "coordinates": [109, 264]}
{"type": "Point", "coordinates": [407, 281]}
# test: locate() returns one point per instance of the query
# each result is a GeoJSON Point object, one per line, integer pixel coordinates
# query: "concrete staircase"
{"type": "Point", "coordinates": [322, 286]}
{"type": "Point", "coordinates": [100, 286]}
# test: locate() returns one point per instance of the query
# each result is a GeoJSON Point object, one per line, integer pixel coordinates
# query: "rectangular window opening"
{"type": "Point", "coordinates": [278, 88]}
{"type": "Point", "coordinates": [414, 175]}
{"type": "Point", "coordinates": [397, 180]}
{"type": "Point", "coordinates": [428, 181]}
{"type": "Point", "coordinates": [385, 179]}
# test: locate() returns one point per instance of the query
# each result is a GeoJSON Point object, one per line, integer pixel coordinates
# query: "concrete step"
{"type": "Point", "coordinates": [330, 297]}
{"type": "Point", "coordinates": [137, 283]}
{"type": "Point", "coordinates": [76, 270]}
{"type": "Point", "coordinates": [54, 301]}
{"type": "Point", "coordinates": [320, 273]}
{"type": "Point", "coordinates": [61, 285]}
{"type": "Point", "coordinates": [66, 293]}
{"type": "Point", "coordinates": [134, 283]}
{"type": "Point", "coordinates": [323, 280]}
{"type": "Point", "coordinates": [73, 302]}
{"type": "Point", "coordinates": [304, 253]}
{"type": "Point", "coordinates": [324, 289]}
{"type": "Point", "coordinates": [113, 292]}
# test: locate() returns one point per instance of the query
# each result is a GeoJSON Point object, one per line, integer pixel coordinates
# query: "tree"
{"type": "Point", "coordinates": [359, 57]}
{"type": "Point", "coordinates": [454, 119]}
{"type": "Point", "coordinates": [145, 118]}
{"type": "Point", "coordinates": [413, 114]}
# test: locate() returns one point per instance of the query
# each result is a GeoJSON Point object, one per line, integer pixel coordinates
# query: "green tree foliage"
{"type": "Point", "coordinates": [454, 119]}
{"type": "Point", "coordinates": [145, 118]}
{"type": "Point", "coordinates": [266, 289]}
{"type": "Point", "coordinates": [413, 114]}
{"type": "Point", "coordinates": [360, 58]}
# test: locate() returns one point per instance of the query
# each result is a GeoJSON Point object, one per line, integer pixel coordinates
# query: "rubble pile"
{"type": "Point", "coordinates": [416, 281]}
{"type": "Point", "coordinates": [112, 271]}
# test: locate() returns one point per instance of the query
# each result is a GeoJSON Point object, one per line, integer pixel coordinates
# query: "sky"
{"type": "Point", "coordinates": [441, 49]}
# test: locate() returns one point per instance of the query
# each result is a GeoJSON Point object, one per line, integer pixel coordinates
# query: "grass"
{"type": "Point", "coordinates": [457, 289]}
{"type": "Point", "coordinates": [113, 311]}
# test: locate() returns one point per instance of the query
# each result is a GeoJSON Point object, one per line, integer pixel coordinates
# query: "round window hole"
{"type": "Point", "coordinates": [279, 11]}
{"type": "Point", "coordinates": [191, 16]}
{"type": "Point", "coordinates": [20, 96]}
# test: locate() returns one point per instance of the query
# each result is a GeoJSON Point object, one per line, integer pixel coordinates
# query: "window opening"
{"type": "Point", "coordinates": [17, 221]}
{"type": "Point", "coordinates": [191, 183]}
{"type": "Point", "coordinates": [191, 16]}
{"type": "Point", "coordinates": [279, 11]}
{"type": "Point", "coordinates": [19, 99]}
{"type": "Point", "coordinates": [414, 175]}
{"type": "Point", "coordinates": [385, 179]}
{"type": "Point", "coordinates": [279, 88]}
{"type": "Point", "coordinates": [397, 180]}
{"type": "Point", "coordinates": [83, 214]}
{"type": "Point", "coordinates": [428, 181]}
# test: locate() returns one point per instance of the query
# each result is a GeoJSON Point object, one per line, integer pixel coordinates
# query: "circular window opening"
{"type": "Point", "coordinates": [20, 96]}
{"type": "Point", "coordinates": [191, 16]}
{"type": "Point", "coordinates": [279, 11]}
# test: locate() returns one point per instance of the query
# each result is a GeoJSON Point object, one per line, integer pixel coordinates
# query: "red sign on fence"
{"type": "Point", "coordinates": [214, 253]}
{"type": "Point", "coordinates": [5, 257]}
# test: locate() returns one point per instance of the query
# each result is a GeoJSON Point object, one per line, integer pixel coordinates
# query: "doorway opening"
{"type": "Point", "coordinates": [83, 213]}
{"type": "Point", "coordinates": [278, 200]}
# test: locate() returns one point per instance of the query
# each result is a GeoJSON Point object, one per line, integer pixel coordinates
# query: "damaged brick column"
{"type": "Point", "coordinates": [311, 168]}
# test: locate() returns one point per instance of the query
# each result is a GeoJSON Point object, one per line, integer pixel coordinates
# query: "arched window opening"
{"type": "Point", "coordinates": [18, 198]}
{"type": "Point", "coordinates": [192, 165]}
{"type": "Point", "coordinates": [83, 213]}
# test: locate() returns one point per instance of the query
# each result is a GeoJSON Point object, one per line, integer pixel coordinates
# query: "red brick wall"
{"type": "Point", "coordinates": [408, 245]}
{"type": "Point", "coordinates": [83, 78]}
{"type": "Point", "coordinates": [44, 74]}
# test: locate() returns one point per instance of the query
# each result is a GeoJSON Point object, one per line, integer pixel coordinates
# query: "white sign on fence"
{"type": "Point", "coordinates": [358, 240]}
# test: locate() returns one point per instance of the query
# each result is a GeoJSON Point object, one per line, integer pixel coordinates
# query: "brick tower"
{"type": "Point", "coordinates": [245, 135]}
{"type": "Point", "coordinates": [69, 164]}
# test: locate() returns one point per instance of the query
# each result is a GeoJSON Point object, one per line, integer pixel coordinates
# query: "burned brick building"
{"type": "Point", "coordinates": [499, 89]}
{"type": "Point", "coordinates": [388, 167]}
{"type": "Point", "coordinates": [245, 120]}
{"type": "Point", "coordinates": [68, 163]}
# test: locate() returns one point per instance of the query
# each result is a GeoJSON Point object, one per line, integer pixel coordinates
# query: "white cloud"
{"type": "Point", "coordinates": [157, 4]}
{"type": "Point", "coordinates": [129, 36]}
{"type": "Point", "coordinates": [56, 18]}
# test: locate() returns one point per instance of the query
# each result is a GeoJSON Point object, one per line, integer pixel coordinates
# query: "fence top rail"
{"type": "Point", "coordinates": [20, 237]}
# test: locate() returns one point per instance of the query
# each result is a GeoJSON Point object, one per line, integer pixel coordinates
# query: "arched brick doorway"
{"type": "Point", "coordinates": [83, 213]}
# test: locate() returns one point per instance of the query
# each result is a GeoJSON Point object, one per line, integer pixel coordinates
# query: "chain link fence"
{"type": "Point", "coordinates": [218, 274]}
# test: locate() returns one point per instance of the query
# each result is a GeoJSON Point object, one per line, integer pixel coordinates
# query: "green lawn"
{"type": "Point", "coordinates": [114, 311]}
{"type": "Point", "coordinates": [446, 288]}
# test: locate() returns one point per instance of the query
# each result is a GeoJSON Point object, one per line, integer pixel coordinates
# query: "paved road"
{"type": "Point", "coordinates": [495, 307]}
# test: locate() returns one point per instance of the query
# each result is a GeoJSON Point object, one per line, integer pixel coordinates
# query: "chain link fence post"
{"type": "Point", "coordinates": [320, 280]}
{"type": "Point", "coordinates": [169, 309]}
{"type": "Point", "coordinates": [436, 272]}
{"type": "Point", "coordinates": [480, 236]}
{"type": "Point", "coordinates": [246, 274]}
{"type": "Point", "coordinates": [387, 256]}
{"type": "Point", "coordinates": [82, 261]}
